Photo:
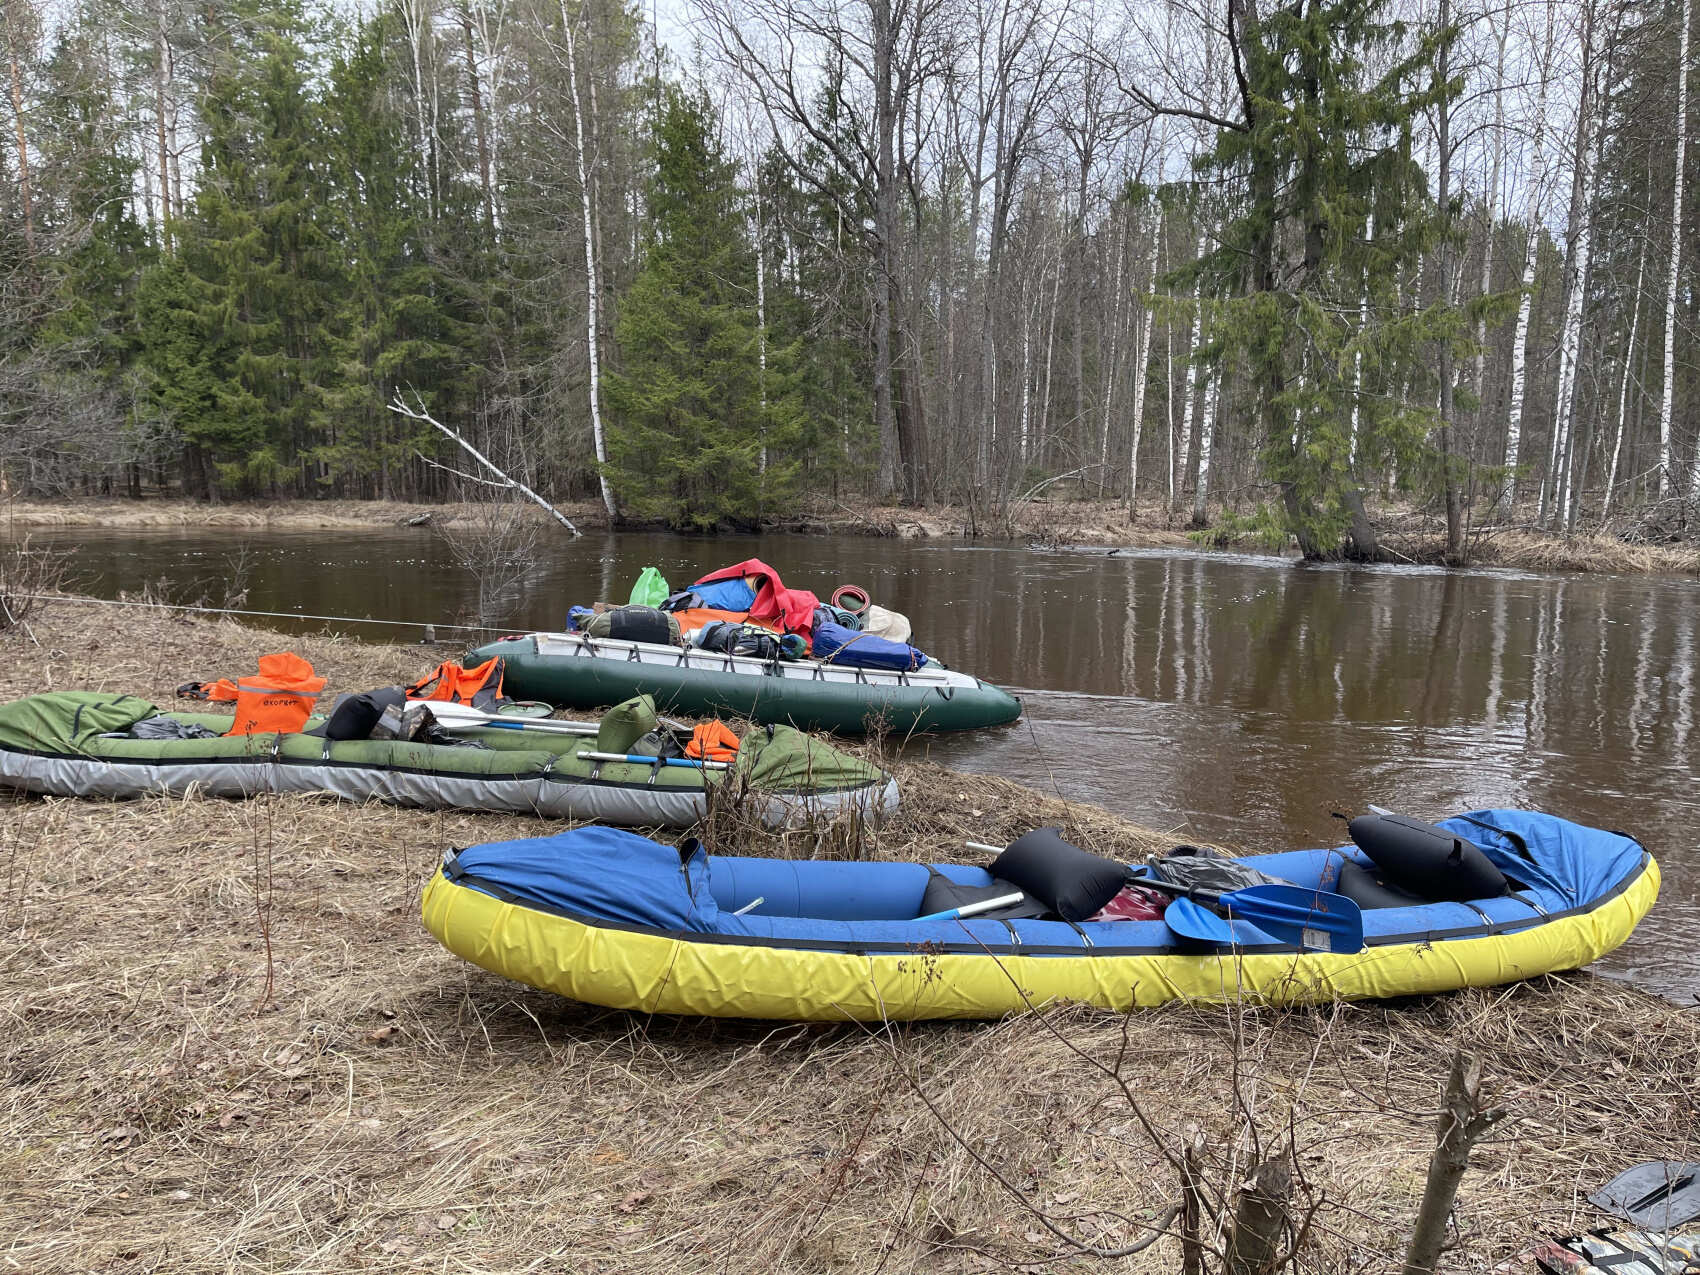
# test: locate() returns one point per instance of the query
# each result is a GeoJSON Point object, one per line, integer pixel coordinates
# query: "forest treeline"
{"type": "Point", "coordinates": [1274, 268]}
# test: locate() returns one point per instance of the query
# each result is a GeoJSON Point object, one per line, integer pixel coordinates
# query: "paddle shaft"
{"type": "Point", "coordinates": [640, 759]}
{"type": "Point", "coordinates": [1198, 894]}
{"type": "Point", "coordinates": [534, 728]}
{"type": "Point", "coordinates": [974, 909]}
{"type": "Point", "coordinates": [446, 711]}
{"type": "Point", "coordinates": [452, 716]}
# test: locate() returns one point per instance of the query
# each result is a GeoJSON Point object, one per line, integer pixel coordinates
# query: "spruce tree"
{"type": "Point", "coordinates": [1330, 93]}
{"type": "Point", "coordinates": [693, 411]}
{"type": "Point", "coordinates": [246, 302]}
{"type": "Point", "coordinates": [398, 322]}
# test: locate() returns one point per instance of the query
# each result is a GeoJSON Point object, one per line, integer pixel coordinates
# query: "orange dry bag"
{"type": "Point", "coordinates": [279, 698]}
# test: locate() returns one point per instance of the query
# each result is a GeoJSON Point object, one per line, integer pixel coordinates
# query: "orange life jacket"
{"type": "Point", "coordinates": [279, 698]}
{"type": "Point", "coordinates": [449, 682]}
{"type": "Point", "coordinates": [713, 741]}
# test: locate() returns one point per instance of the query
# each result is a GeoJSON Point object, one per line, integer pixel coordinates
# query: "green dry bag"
{"type": "Point", "coordinates": [650, 589]}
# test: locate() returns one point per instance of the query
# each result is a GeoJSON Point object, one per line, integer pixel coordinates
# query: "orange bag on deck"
{"type": "Point", "coordinates": [279, 698]}
{"type": "Point", "coordinates": [694, 618]}
{"type": "Point", "coordinates": [712, 741]}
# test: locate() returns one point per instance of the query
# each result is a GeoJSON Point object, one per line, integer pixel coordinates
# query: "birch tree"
{"type": "Point", "coordinates": [1536, 178]}
{"type": "Point", "coordinates": [1555, 488]}
{"type": "Point", "coordinates": [1142, 360]}
{"type": "Point", "coordinates": [1667, 398]}
{"type": "Point", "coordinates": [593, 288]}
{"type": "Point", "coordinates": [20, 20]}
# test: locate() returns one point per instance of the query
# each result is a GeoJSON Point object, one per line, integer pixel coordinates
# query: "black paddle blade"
{"type": "Point", "coordinates": [1658, 1195]}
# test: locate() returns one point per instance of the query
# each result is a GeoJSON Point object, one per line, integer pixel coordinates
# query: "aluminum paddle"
{"type": "Point", "coordinates": [451, 716]}
{"type": "Point", "coordinates": [975, 908]}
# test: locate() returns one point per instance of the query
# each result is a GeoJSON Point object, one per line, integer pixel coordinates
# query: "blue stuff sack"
{"type": "Point", "coordinates": [839, 645]}
{"type": "Point", "coordinates": [726, 595]}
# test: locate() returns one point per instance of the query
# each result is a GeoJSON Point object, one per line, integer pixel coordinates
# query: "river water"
{"type": "Point", "coordinates": [1233, 698]}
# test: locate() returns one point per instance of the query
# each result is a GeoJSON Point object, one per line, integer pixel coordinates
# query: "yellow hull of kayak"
{"type": "Point", "coordinates": [661, 973]}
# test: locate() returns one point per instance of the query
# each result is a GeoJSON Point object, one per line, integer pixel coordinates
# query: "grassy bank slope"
{"type": "Point", "coordinates": [230, 1046]}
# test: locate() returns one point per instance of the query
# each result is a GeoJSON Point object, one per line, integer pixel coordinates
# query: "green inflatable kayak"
{"type": "Point", "coordinates": [574, 670]}
{"type": "Point", "coordinates": [93, 744]}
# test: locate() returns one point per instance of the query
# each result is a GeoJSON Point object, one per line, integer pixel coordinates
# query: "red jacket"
{"type": "Point", "coordinates": [792, 610]}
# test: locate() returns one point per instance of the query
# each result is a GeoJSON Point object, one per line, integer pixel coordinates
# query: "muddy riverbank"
{"type": "Point", "coordinates": [1056, 523]}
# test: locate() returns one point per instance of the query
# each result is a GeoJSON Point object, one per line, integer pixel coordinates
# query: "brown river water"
{"type": "Point", "coordinates": [1233, 698]}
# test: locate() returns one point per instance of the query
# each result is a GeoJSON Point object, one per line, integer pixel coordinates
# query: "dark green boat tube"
{"type": "Point", "coordinates": [570, 670]}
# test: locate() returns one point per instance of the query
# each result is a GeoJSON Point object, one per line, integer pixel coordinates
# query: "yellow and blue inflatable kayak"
{"type": "Point", "coordinates": [612, 918]}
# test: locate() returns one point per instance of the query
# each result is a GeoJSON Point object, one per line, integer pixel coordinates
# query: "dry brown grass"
{"type": "Point", "coordinates": [1536, 552]}
{"type": "Point", "coordinates": [151, 650]}
{"type": "Point", "coordinates": [177, 1101]}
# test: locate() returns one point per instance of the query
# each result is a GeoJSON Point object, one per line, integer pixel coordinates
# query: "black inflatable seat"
{"type": "Point", "coordinates": [1069, 881]}
{"type": "Point", "coordinates": [1368, 890]}
{"type": "Point", "coordinates": [1435, 865]}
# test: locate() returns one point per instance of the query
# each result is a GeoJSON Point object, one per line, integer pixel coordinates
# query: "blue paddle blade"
{"type": "Point", "coordinates": [1195, 921]}
{"type": "Point", "coordinates": [1313, 920]}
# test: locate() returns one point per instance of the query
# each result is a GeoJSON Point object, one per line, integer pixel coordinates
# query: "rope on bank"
{"type": "Point", "coordinates": [427, 625]}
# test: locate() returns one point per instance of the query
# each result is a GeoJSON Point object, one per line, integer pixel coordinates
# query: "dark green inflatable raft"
{"type": "Point", "coordinates": [574, 670]}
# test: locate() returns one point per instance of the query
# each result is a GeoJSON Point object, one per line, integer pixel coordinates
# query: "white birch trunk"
{"type": "Point", "coordinates": [592, 287]}
{"type": "Point", "coordinates": [1111, 359]}
{"type": "Point", "coordinates": [1667, 398]}
{"type": "Point", "coordinates": [1191, 413]}
{"type": "Point", "coordinates": [1494, 176]}
{"type": "Point", "coordinates": [1623, 388]}
{"type": "Point", "coordinates": [1581, 223]}
{"type": "Point", "coordinates": [1024, 440]}
{"type": "Point", "coordinates": [162, 87]}
{"type": "Point", "coordinates": [416, 16]}
{"type": "Point", "coordinates": [1044, 422]}
{"type": "Point", "coordinates": [1358, 360]}
{"type": "Point", "coordinates": [1206, 432]}
{"type": "Point", "coordinates": [1147, 323]}
{"type": "Point", "coordinates": [1519, 344]}
{"type": "Point", "coordinates": [495, 72]}
{"type": "Point", "coordinates": [1169, 403]}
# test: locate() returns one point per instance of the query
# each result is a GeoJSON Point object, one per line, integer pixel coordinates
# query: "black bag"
{"type": "Point", "coordinates": [636, 624]}
{"type": "Point", "coordinates": [1069, 881]}
{"type": "Point", "coordinates": [355, 716]}
{"type": "Point", "coordinates": [1199, 867]}
{"type": "Point", "coordinates": [739, 639]}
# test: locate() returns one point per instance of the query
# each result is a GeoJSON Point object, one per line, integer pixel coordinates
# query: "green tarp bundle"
{"type": "Point", "coordinates": [67, 720]}
{"type": "Point", "coordinates": [783, 759]}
